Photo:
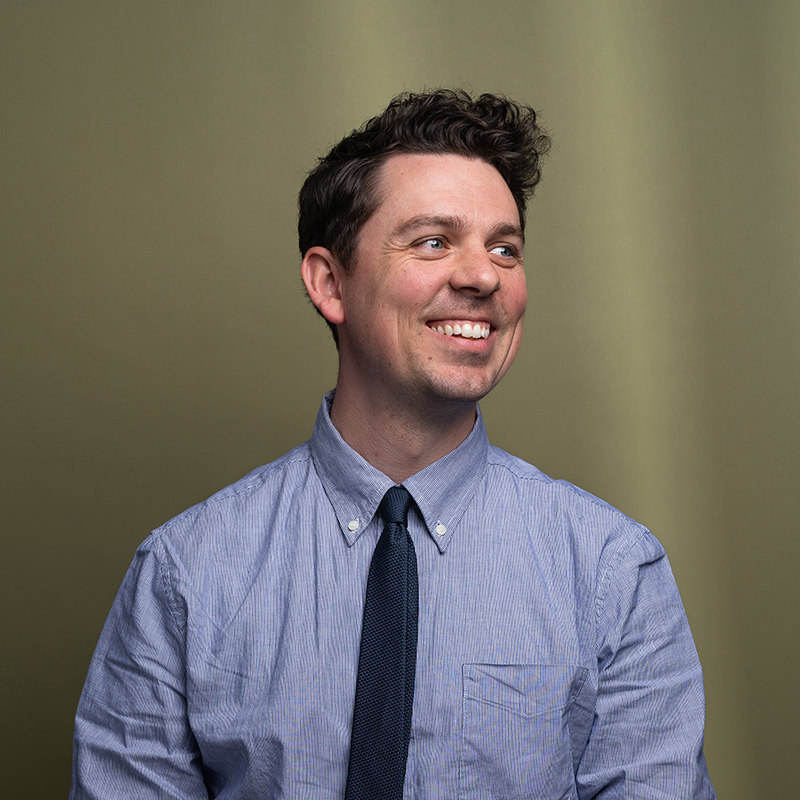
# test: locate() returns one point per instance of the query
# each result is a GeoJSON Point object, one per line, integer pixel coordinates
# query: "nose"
{"type": "Point", "coordinates": [476, 274]}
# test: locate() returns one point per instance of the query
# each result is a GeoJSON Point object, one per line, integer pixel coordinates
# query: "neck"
{"type": "Point", "coordinates": [397, 440]}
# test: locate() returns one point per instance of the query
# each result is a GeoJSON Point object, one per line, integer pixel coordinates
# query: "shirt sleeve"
{"type": "Point", "coordinates": [132, 734]}
{"type": "Point", "coordinates": [647, 738]}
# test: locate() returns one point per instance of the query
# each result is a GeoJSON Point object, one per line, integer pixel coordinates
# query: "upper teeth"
{"type": "Point", "coordinates": [469, 330]}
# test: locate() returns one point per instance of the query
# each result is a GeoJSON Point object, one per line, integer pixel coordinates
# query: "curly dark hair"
{"type": "Point", "coordinates": [340, 193]}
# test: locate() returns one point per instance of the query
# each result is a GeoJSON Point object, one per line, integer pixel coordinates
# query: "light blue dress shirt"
{"type": "Point", "coordinates": [554, 657]}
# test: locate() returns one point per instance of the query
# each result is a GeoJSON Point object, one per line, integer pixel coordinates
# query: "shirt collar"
{"type": "Point", "coordinates": [442, 491]}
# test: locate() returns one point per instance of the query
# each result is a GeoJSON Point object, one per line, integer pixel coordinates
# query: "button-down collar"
{"type": "Point", "coordinates": [441, 491]}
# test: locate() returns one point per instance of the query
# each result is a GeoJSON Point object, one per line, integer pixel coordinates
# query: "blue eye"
{"type": "Point", "coordinates": [504, 250]}
{"type": "Point", "coordinates": [434, 244]}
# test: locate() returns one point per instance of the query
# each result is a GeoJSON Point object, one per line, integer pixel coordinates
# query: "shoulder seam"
{"type": "Point", "coordinates": [220, 497]}
{"type": "Point", "coordinates": [166, 582]}
{"type": "Point", "coordinates": [546, 479]}
{"type": "Point", "coordinates": [603, 586]}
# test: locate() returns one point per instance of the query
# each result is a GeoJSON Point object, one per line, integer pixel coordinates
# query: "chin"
{"type": "Point", "coordinates": [461, 390]}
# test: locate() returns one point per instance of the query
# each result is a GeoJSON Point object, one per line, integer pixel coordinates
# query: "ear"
{"type": "Point", "coordinates": [323, 275]}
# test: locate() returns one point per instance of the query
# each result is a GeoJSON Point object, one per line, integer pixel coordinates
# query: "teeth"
{"type": "Point", "coordinates": [468, 330]}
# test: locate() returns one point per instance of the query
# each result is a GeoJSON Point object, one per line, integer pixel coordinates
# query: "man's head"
{"type": "Point", "coordinates": [342, 192]}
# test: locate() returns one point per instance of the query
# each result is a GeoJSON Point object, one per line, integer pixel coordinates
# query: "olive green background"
{"type": "Point", "coordinates": [156, 344]}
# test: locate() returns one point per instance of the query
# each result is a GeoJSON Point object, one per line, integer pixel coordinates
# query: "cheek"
{"type": "Point", "coordinates": [414, 288]}
{"type": "Point", "coordinates": [517, 296]}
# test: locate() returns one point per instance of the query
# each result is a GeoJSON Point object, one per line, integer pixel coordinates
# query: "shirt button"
{"type": "Point", "coordinates": [353, 524]}
{"type": "Point", "coordinates": [441, 530]}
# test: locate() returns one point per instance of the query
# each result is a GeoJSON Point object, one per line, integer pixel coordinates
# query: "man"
{"type": "Point", "coordinates": [525, 639]}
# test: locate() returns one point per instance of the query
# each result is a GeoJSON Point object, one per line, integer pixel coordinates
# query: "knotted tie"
{"type": "Point", "coordinates": [387, 661]}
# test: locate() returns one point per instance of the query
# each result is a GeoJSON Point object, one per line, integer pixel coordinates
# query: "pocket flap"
{"type": "Point", "coordinates": [525, 689]}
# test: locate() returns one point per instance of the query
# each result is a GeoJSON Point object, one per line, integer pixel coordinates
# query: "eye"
{"type": "Point", "coordinates": [505, 251]}
{"type": "Point", "coordinates": [431, 246]}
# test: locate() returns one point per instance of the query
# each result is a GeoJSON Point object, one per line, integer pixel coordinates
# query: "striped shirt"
{"type": "Point", "coordinates": [554, 657]}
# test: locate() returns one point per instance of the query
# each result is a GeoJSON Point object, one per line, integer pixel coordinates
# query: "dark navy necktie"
{"type": "Point", "coordinates": [387, 661]}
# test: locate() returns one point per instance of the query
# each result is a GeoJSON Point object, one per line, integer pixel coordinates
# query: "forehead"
{"type": "Point", "coordinates": [413, 184]}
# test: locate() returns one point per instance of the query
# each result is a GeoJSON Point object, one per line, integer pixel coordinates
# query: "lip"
{"type": "Point", "coordinates": [432, 323]}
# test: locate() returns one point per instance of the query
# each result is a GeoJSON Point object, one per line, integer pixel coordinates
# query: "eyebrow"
{"type": "Point", "coordinates": [456, 224]}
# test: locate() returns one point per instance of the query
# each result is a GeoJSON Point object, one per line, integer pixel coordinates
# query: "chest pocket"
{"type": "Point", "coordinates": [515, 734]}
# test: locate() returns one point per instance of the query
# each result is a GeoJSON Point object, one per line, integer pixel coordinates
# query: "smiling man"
{"type": "Point", "coordinates": [396, 608]}
{"type": "Point", "coordinates": [429, 313]}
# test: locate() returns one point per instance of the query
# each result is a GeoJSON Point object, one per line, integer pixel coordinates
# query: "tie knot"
{"type": "Point", "coordinates": [394, 506]}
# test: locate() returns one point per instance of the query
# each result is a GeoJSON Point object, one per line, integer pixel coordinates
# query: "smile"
{"type": "Point", "coordinates": [467, 330]}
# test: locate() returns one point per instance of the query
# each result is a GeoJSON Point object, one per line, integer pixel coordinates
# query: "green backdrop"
{"type": "Point", "coordinates": [156, 344]}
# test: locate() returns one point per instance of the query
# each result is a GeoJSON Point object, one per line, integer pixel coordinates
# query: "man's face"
{"type": "Point", "coordinates": [441, 254]}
